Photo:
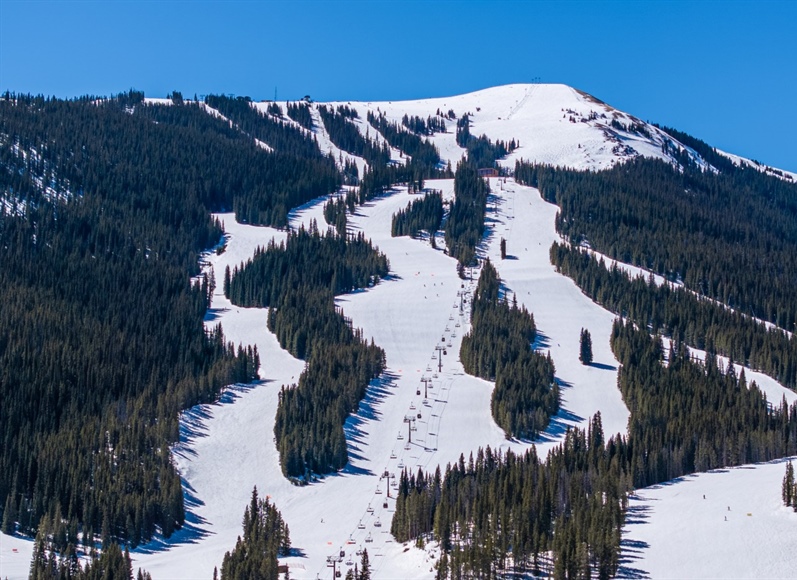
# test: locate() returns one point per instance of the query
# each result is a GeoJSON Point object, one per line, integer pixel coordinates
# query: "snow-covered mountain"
{"type": "Point", "coordinates": [227, 448]}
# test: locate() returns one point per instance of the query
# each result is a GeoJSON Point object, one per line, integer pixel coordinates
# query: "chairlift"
{"type": "Point", "coordinates": [337, 573]}
{"type": "Point", "coordinates": [419, 415]}
{"type": "Point", "coordinates": [392, 455]}
{"type": "Point", "coordinates": [349, 562]}
{"type": "Point", "coordinates": [343, 553]}
{"type": "Point", "coordinates": [434, 376]}
{"type": "Point", "coordinates": [400, 465]}
{"type": "Point", "coordinates": [384, 505]}
{"type": "Point", "coordinates": [370, 510]}
{"type": "Point", "coordinates": [377, 523]}
{"type": "Point", "coordinates": [368, 538]}
{"type": "Point", "coordinates": [378, 491]}
{"type": "Point", "coordinates": [412, 406]}
{"type": "Point", "coordinates": [418, 391]}
{"type": "Point", "coordinates": [400, 436]}
{"type": "Point", "coordinates": [445, 351]}
{"type": "Point", "coordinates": [456, 325]}
{"type": "Point", "coordinates": [361, 525]}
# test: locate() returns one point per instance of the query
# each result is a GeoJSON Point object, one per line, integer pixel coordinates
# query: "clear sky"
{"type": "Point", "coordinates": [723, 71]}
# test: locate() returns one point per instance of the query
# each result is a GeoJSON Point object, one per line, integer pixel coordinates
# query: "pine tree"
{"type": "Point", "coordinates": [585, 352]}
{"type": "Point", "coordinates": [788, 487]}
{"type": "Point", "coordinates": [365, 567]}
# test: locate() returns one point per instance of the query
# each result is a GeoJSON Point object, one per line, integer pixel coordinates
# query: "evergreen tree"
{"type": "Point", "coordinates": [365, 566]}
{"type": "Point", "coordinates": [788, 487]}
{"type": "Point", "coordinates": [585, 348]}
{"type": "Point", "coordinates": [265, 537]}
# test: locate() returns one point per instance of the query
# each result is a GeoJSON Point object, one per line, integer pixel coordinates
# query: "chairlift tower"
{"type": "Point", "coordinates": [332, 562]}
{"type": "Point", "coordinates": [410, 421]}
{"type": "Point", "coordinates": [425, 382]}
{"type": "Point", "coordinates": [439, 350]}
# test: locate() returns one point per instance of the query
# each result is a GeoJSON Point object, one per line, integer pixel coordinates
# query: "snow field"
{"type": "Point", "coordinates": [727, 523]}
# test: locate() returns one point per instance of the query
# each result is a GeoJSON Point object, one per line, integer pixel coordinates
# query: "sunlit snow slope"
{"type": "Point", "coordinates": [227, 448]}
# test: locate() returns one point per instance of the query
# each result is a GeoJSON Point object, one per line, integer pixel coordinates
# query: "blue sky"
{"type": "Point", "coordinates": [723, 71]}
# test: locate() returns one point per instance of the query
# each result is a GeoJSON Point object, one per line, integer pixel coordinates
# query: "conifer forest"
{"type": "Point", "coordinates": [656, 269]}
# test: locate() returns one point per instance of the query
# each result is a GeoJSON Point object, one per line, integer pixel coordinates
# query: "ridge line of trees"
{"type": "Point", "coordinates": [498, 348]}
{"type": "Point", "coordinates": [298, 281]}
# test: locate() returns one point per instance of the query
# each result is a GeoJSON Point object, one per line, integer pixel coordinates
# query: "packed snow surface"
{"type": "Point", "coordinates": [728, 523]}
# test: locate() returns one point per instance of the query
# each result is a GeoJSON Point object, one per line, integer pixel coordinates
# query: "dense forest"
{"type": "Point", "coordinates": [297, 172]}
{"type": "Point", "coordinates": [110, 564]}
{"type": "Point", "coordinates": [425, 157]}
{"type": "Point", "coordinates": [298, 280]}
{"type": "Point", "coordinates": [689, 416]}
{"type": "Point", "coordinates": [465, 223]}
{"type": "Point", "coordinates": [335, 212]}
{"type": "Point", "coordinates": [346, 136]}
{"type": "Point", "coordinates": [508, 512]}
{"type": "Point", "coordinates": [730, 236]}
{"type": "Point", "coordinates": [498, 348]}
{"type": "Point", "coordinates": [266, 537]}
{"type": "Point", "coordinates": [482, 152]}
{"type": "Point", "coordinates": [681, 314]}
{"type": "Point", "coordinates": [498, 514]}
{"type": "Point", "coordinates": [101, 333]}
{"type": "Point", "coordinates": [421, 126]}
{"type": "Point", "coordinates": [424, 214]}
{"type": "Point", "coordinates": [300, 112]}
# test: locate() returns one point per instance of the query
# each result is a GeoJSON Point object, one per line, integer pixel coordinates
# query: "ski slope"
{"type": "Point", "coordinates": [227, 448]}
{"type": "Point", "coordinates": [727, 523]}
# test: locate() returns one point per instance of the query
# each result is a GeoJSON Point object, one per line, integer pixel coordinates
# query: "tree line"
{"type": "Point", "coordinates": [424, 214]}
{"type": "Point", "coordinates": [465, 224]}
{"type": "Point", "coordinates": [730, 236]}
{"type": "Point", "coordinates": [102, 340]}
{"type": "Point", "coordinates": [265, 537]}
{"type": "Point", "coordinates": [688, 415]}
{"type": "Point", "coordinates": [425, 158]}
{"type": "Point", "coordinates": [421, 126]}
{"type": "Point", "coordinates": [482, 152]}
{"type": "Point", "coordinates": [502, 514]}
{"type": "Point", "coordinates": [300, 112]}
{"type": "Point", "coordinates": [679, 313]}
{"type": "Point", "coordinates": [498, 348]}
{"type": "Point", "coordinates": [298, 281]}
{"type": "Point", "coordinates": [346, 136]}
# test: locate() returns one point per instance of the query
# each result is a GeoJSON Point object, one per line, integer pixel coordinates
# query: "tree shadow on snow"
{"type": "Point", "coordinates": [192, 532]}
{"type": "Point", "coordinates": [603, 367]}
{"type": "Point", "coordinates": [368, 411]}
{"type": "Point", "coordinates": [541, 341]}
